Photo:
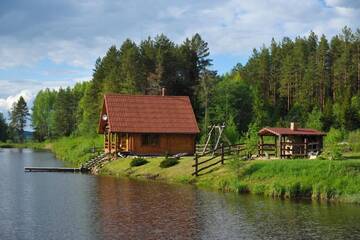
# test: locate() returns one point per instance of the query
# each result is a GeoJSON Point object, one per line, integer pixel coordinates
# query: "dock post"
{"type": "Point", "coordinates": [196, 165]}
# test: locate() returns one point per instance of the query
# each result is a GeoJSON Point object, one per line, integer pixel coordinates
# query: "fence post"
{"type": "Point", "coordinates": [222, 153]}
{"type": "Point", "coordinates": [196, 165]}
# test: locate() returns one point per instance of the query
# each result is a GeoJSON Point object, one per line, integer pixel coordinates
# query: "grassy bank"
{"type": "Point", "coordinates": [34, 145]}
{"type": "Point", "coordinates": [303, 178]}
{"type": "Point", "coordinates": [76, 150]}
{"type": "Point", "coordinates": [315, 179]}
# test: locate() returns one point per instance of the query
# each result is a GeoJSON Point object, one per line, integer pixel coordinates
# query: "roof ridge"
{"type": "Point", "coordinates": [141, 95]}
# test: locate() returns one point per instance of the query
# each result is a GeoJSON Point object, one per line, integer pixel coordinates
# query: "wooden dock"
{"type": "Point", "coordinates": [55, 169]}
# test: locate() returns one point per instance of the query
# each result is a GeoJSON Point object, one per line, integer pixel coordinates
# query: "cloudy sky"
{"type": "Point", "coordinates": [55, 43]}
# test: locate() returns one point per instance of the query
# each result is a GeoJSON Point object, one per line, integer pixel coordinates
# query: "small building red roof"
{"type": "Point", "coordinates": [148, 114]}
{"type": "Point", "coordinates": [288, 132]}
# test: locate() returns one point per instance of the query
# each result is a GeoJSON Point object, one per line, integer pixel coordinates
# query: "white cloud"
{"type": "Point", "coordinates": [76, 32]}
{"type": "Point", "coordinates": [6, 103]}
{"type": "Point", "coordinates": [12, 90]}
{"type": "Point", "coordinates": [83, 30]}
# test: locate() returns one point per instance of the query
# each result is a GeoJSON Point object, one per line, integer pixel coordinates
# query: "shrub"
{"type": "Point", "coordinates": [314, 119]}
{"type": "Point", "coordinates": [333, 150]}
{"type": "Point", "coordinates": [138, 161]}
{"type": "Point", "coordinates": [231, 131]}
{"type": "Point", "coordinates": [251, 140]}
{"type": "Point", "coordinates": [168, 162]}
{"type": "Point", "coordinates": [354, 140]}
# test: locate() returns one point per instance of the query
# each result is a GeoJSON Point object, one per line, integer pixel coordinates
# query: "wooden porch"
{"type": "Point", "coordinates": [116, 142]}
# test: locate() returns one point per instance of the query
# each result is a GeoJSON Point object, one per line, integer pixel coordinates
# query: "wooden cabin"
{"type": "Point", "coordinates": [290, 142]}
{"type": "Point", "coordinates": [148, 125]}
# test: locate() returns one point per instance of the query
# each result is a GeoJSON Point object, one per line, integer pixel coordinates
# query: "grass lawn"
{"type": "Point", "coordinates": [180, 172]}
{"type": "Point", "coordinates": [293, 178]}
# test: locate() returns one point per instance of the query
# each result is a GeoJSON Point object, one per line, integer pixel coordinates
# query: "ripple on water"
{"type": "Point", "coordinates": [78, 206]}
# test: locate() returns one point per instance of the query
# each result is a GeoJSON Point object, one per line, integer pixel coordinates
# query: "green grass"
{"type": "Point", "coordinates": [296, 178]}
{"type": "Point", "coordinates": [75, 150]}
{"type": "Point", "coordinates": [29, 144]}
{"type": "Point", "coordinates": [303, 178]}
{"type": "Point", "coordinates": [300, 178]}
{"type": "Point", "coordinates": [180, 172]}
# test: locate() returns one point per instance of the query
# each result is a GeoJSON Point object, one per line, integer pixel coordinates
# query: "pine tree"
{"type": "Point", "coordinates": [323, 71]}
{"type": "Point", "coordinates": [64, 115]}
{"type": "Point", "coordinates": [275, 70]}
{"type": "Point", "coordinates": [3, 128]}
{"type": "Point", "coordinates": [356, 61]}
{"type": "Point", "coordinates": [204, 93]}
{"type": "Point", "coordinates": [18, 116]}
{"type": "Point", "coordinates": [130, 67]}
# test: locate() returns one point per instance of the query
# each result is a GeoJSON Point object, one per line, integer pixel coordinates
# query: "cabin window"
{"type": "Point", "coordinates": [150, 139]}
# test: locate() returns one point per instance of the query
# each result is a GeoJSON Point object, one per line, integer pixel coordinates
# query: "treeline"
{"type": "Point", "coordinates": [142, 68]}
{"type": "Point", "coordinates": [309, 80]}
{"type": "Point", "coordinates": [312, 74]}
{"type": "Point", "coordinates": [56, 113]}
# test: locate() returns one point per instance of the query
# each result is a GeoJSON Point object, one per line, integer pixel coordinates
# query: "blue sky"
{"type": "Point", "coordinates": [55, 43]}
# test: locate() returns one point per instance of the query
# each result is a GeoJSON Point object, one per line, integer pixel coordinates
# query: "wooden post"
{"type": "Point", "coordinates": [222, 153]}
{"type": "Point", "coordinates": [116, 142]}
{"type": "Point", "coordinates": [196, 164]}
{"type": "Point", "coordinates": [276, 148]}
{"type": "Point", "coordinates": [280, 146]}
{"type": "Point", "coordinates": [305, 146]}
{"type": "Point", "coordinates": [262, 145]}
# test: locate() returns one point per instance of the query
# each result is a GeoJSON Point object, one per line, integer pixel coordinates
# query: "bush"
{"type": "Point", "coordinates": [168, 162]}
{"type": "Point", "coordinates": [138, 161]}
{"type": "Point", "coordinates": [333, 150]}
{"type": "Point", "coordinates": [251, 140]}
{"type": "Point", "coordinates": [354, 140]}
{"type": "Point", "coordinates": [314, 119]}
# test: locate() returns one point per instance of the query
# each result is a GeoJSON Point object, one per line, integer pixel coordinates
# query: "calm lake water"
{"type": "Point", "coordinates": [79, 206]}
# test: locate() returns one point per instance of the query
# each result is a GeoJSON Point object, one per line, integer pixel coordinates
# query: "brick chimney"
{"type": "Point", "coordinates": [293, 126]}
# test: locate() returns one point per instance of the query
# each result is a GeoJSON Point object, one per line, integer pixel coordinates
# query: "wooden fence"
{"type": "Point", "coordinates": [215, 157]}
{"type": "Point", "coordinates": [200, 148]}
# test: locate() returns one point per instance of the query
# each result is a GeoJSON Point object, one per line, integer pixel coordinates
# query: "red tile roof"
{"type": "Point", "coordinates": [149, 114]}
{"type": "Point", "coordinates": [288, 131]}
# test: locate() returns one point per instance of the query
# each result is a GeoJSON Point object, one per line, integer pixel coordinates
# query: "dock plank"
{"type": "Point", "coordinates": [54, 169]}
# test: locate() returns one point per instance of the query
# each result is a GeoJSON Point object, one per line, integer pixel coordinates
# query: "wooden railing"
{"type": "Point", "coordinates": [288, 149]}
{"type": "Point", "coordinates": [215, 157]}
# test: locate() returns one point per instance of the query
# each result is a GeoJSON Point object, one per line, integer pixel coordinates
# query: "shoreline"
{"type": "Point", "coordinates": [315, 180]}
{"type": "Point", "coordinates": [279, 179]}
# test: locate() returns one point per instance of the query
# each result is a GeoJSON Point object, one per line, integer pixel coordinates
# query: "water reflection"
{"type": "Point", "coordinates": [76, 206]}
{"type": "Point", "coordinates": [138, 210]}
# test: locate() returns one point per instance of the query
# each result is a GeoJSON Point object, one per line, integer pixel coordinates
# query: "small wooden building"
{"type": "Point", "coordinates": [290, 142]}
{"type": "Point", "coordinates": [148, 125]}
